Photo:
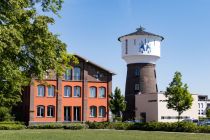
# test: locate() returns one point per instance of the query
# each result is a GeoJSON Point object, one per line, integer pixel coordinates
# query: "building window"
{"type": "Point", "coordinates": [201, 105]}
{"type": "Point", "coordinates": [93, 92]}
{"type": "Point", "coordinates": [126, 46]}
{"type": "Point", "coordinates": [51, 91]}
{"type": "Point", "coordinates": [137, 72]}
{"type": "Point", "coordinates": [40, 111]}
{"type": "Point", "coordinates": [102, 92]}
{"type": "Point", "coordinates": [93, 111]}
{"type": "Point", "coordinates": [102, 111]}
{"type": "Point", "coordinates": [137, 87]}
{"type": "Point", "coordinates": [68, 74]}
{"type": "Point", "coordinates": [202, 112]}
{"type": "Point", "coordinates": [198, 105]}
{"type": "Point", "coordinates": [199, 112]}
{"type": "Point", "coordinates": [134, 41]}
{"type": "Point", "coordinates": [77, 73]}
{"type": "Point", "coordinates": [50, 111]}
{"type": "Point", "coordinates": [41, 91]}
{"type": "Point", "coordinates": [67, 91]}
{"type": "Point", "coordinates": [77, 91]}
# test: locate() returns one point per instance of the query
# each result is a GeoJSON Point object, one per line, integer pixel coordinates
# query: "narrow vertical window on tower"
{"type": "Point", "coordinates": [137, 72]}
{"type": "Point", "coordinates": [126, 46]}
{"type": "Point", "coordinates": [134, 41]}
{"type": "Point", "coordinates": [137, 87]}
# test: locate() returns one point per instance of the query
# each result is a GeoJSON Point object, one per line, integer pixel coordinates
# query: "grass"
{"type": "Point", "coordinates": [57, 134]}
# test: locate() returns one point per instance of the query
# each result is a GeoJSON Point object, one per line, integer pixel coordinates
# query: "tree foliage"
{"type": "Point", "coordinates": [208, 113]}
{"type": "Point", "coordinates": [117, 103]}
{"type": "Point", "coordinates": [27, 47]}
{"type": "Point", "coordinates": [178, 96]}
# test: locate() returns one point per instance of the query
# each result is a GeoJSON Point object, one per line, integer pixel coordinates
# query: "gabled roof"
{"type": "Point", "coordinates": [140, 31]}
{"type": "Point", "coordinates": [91, 62]}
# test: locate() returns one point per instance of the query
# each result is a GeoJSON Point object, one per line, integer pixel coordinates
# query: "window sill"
{"type": "Point", "coordinates": [76, 97]}
{"type": "Point", "coordinates": [102, 117]}
{"type": "Point", "coordinates": [66, 97]}
{"type": "Point", "coordinates": [50, 96]}
{"type": "Point", "coordinates": [40, 116]}
{"type": "Point", "coordinates": [50, 117]}
{"type": "Point", "coordinates": [102, 97]}
{"type": "Point", "coordinates": [40, 96]}
{"type": "Point", "coordinates": [93, 97]}
{"type": "Point", "coordinates": [92, 117]}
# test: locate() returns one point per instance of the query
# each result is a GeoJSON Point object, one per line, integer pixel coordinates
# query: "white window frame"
{"type": "Point", "coordinates": [92, 94]}
{"type": "Point", "coordinates": [51, 91]}
{"type": "Point", "coordinates": [93, 111]}
{"type": "Point", "coordinates": [41, 92]}
{"type": "Point", "coordinates": [102, 94]}
{"type": "Point", "coordinates": [70, 90]}
{"type": "Point", "coordinates": [102, 111]}
{"type": "Point", "coordinates": [40, 108]}
{"type": "Point", "coordinates": [51, 108]}
{"type": "Point", "coordinates": [77, 91]}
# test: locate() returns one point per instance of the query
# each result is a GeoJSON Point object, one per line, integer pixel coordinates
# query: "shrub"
{"type": "Point", "coordinates": [5, 114]}
{"type": "Point", "coordinates": [97, 125]}
{"type": "Point", "coordinates": [46, 126]}
{"type": "Point", "coordinates": [76, 126]}
{"type": "Point", "coordinates": [11, 126]}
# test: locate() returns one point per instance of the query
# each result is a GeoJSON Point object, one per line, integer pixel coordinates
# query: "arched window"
{"type": "Point", "coordinates": [102, 92]}
{"type": "Point", "coordinates": [77, 73]}
{"type": "Point", "coordinates": [50, 111]}
{"type": "Point", "coordinates": [67, 91]}
{"type": "Point", "coordinates": [93, 92]}
{"type": "Point", "coordinates": [41, 91]}
{"type": "Point", "coordinates": [68, 74]}
{"type": "Point", "coordinates": [40, 111]}
{"type": "Point", "coordinates": [93, 111]}
{"type": "Point", "coordinates": [51, 91]}
{"type": "Point", "coordinates": [77, 91]}
{"type": "Point", "coordinates": [102, 111]}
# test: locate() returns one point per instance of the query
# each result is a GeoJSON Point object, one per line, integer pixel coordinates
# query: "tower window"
{"type": "Point", "coordinates": [134, 41]}
{"type": "Point", "coordinates": [137, 87]}
{"type": "Point", "coordinates": [137, 72]}
{"type": "Point", "coordinates": [126, 46]}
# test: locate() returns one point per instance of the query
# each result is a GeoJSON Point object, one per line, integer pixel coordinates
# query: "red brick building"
{"type": "Point", "coordinates": [80, 95]}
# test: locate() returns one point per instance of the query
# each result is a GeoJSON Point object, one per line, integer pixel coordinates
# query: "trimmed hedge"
{"type": "Point", "coordinates": [76, 126]}
{"type": "Point", "coordinates": [12, 126]}
{"type": "Point", "coordinates": [151, 126]}
{"type": "Point", "coordinates": [71, 126]}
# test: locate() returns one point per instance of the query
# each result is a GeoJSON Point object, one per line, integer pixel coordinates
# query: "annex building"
{"type": "Point", "coordinates": [80, 95]}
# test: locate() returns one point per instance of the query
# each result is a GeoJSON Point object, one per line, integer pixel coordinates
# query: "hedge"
{"type": "Point", "coordinates": [11, 125]}
{"type": "Point", "coordinates": [151, 126]}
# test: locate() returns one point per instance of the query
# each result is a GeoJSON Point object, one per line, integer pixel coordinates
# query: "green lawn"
{"type": "Point", "coordinates": [96, 135]}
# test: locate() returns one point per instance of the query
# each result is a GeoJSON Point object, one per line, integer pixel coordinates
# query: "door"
{"type": "Point", "coordinates": [77, 113]}
{"type": "Point", "coordinates": [67, 113]}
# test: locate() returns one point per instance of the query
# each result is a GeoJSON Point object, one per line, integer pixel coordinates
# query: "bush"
{"type": "Point", "coordinates": [76, 126]}
{"type": "Point", "coordinates": [97, 125]}
{"type": "Point", "coordinates": [46, 126]}
{"type": "Point", "coordinates": [11, 126]}
{"type": "Point", "coordinates": [5, 114]}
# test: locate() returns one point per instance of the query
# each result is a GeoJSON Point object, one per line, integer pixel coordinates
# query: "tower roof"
{"type": "Point", "coordinates": [140, 31]}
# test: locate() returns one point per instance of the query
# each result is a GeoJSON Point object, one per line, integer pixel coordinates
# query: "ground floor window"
{"type": "Point", "coordinates": [40, 111]}
{"type": "Point", "coordinates": [102, 111]}
{"type": "Point", "coordinates": [67, 113]}
{"type": "Point", "coordinates": [93, 111]}
{"type": "Point", "coordinates": [50, 111]}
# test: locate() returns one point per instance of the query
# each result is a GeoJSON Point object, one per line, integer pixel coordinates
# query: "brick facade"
{"type": "Point", "coordinates": [68, 109]}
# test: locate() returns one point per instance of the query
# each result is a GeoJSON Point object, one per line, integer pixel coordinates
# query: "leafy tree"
{"type": "Point", "coordinates": [27, 47]}
{"type": "Point", "coordinates": [178, 96]}
{"type": "Point", "coordinates": [117, 103]}
{"type": "Point", "coordinates": [208, 113]}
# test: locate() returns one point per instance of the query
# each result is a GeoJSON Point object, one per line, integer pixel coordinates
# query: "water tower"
{"type": "Point", "coordinates": [140, 50]}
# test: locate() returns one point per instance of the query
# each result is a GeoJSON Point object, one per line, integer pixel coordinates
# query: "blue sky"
{"type": "Point", "coordinates": [91, 28]}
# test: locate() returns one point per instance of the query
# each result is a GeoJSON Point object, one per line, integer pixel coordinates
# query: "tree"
{"type": "Point", "coordinates": [27, 47]}
{"type": "Point", "coordinates": [208, 113]}
{"type": "Point", "coordinates": [178, 96]}
{"type": "Point", "coordinates": [117, 103]}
